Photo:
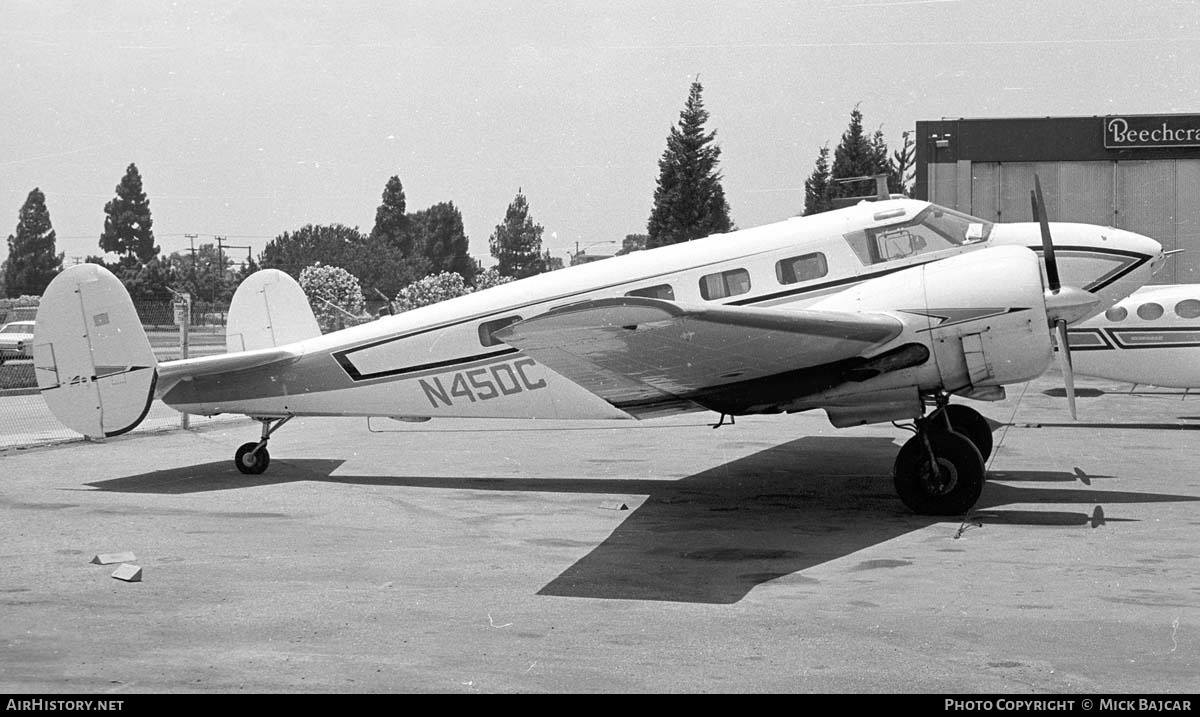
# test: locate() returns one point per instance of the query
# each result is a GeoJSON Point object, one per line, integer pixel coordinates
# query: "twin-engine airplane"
{"type": "Point", "coordinates": [877, 312]}
{"type": "Point", "coordinates": [1150, 338]}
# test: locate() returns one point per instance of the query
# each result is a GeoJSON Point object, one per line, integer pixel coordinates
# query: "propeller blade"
{"type": "Point", "coordinates": [1064, 362]}
{"type": "Point", "coordinates": [1039, 215]}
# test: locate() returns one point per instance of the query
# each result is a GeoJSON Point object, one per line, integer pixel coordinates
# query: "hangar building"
{"type": "Point", "coordinates": [1135, 172]}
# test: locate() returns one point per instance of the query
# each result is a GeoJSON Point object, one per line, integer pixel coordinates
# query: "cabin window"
{"type": "Point", "coordinates": [1150, 311]}
{"type": "Point", "coordinates": [488, 327]}
{"type": "Point", "coordinates": [727, 283]}
{"type": "Point", "coordinates": [801, 268]}
{"type": "Point", "coordinates": [859, 243]}
{"type": "Point", "coordinates": [1116, 313]}
{"type": "Point", "coordinates": [660, 291]}
{"type": "Point", "coordinates": [1187, 309]}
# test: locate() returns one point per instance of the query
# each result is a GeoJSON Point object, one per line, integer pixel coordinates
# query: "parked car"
{"type": "Point", "coordinates": [16, 340]}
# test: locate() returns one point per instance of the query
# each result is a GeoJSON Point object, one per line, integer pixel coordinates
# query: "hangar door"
{"type": "Point", "coordinates": [1159, 198]}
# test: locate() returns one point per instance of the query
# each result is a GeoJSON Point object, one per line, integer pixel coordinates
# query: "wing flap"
{"type": "Point", "coordinates": [631, 349]}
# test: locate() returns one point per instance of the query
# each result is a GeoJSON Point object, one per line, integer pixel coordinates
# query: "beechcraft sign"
{"type": "Point", "coordinates": [1146, 131]}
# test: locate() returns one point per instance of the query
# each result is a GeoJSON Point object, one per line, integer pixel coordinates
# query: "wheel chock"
{"type": "Point", "coordinates": [128, 573]}
{"type": "Point", "coordinates": [110, 558]}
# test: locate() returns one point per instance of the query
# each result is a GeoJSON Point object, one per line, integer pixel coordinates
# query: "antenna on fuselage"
{"type": "Point", "coordinates": [881, 190]}
{"type": "Point", "coordinates": [881, 186]}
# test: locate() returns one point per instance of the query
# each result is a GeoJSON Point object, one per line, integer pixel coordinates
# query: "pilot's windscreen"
{"type": "Point", "coordinates": [957, 228]}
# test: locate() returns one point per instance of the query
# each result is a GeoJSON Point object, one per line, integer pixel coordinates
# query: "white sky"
{"type": "Point", "coordinates": [247, 119]}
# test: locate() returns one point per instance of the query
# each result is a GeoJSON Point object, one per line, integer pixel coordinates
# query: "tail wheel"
{"type": "Point", "coordinates": [970, 423]}
{"type": "Point", "coordinates": [950, 484]}
{"type": "Point", "coordinates": [252, 462]}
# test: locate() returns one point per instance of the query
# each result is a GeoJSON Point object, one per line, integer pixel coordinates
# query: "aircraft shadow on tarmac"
{"type": "Point", "coordinates": [713, 536]}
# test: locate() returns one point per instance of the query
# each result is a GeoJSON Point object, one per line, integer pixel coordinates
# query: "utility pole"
{"type": "Point", "coordinates": [221, 245]}
{"type": "Point", "coordinates": [192, 249]}
{"type": "Point", "coordinates": [220, 269]}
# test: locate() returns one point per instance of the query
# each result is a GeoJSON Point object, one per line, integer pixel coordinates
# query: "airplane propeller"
{"type": "Point", "coordinates": [1064, 304]}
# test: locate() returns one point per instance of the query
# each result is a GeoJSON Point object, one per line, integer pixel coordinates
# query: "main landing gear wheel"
{"type": "Point", "coordinates": [250, 461]}
{"type": "Point", "coordinates": [968, 422]}
{"type": "Point", "coordinates": [941, 477]}
{"type": "Point", "coordinates": [253, 458]}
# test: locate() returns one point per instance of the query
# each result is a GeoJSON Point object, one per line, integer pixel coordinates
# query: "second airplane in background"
{"type": "Point", "coordinates": [1151, 338]}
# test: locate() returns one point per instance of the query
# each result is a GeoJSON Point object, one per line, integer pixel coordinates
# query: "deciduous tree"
{"type": "Point", "coordinates": [204, 273]}
{"type": "Point", "coordinates": [632, 243]}
{"type": "Point", "coordinates": [430, 290]}
{"type": "Point", "coordinates": [292, 252]}
{"type": "Point", "coordinates": [443, 240]}
{"type": "Point", "coordinates": [489, 277]}
{"type": "Point", "coordinates": [334, 295]}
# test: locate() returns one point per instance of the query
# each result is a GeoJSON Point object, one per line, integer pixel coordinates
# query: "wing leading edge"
{"type": "Point", "coordinates": [650, 356]}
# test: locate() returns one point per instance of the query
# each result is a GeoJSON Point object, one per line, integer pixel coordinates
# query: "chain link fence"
{"type": "Point", "coordinates": [26, 421]}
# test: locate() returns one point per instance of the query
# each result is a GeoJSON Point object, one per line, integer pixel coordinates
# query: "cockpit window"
{"type": "Point", "coordinates": [934, 229]}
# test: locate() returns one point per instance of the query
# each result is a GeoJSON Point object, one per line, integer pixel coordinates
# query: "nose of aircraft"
{"type": "Point", "coordinates": [1131, 241]}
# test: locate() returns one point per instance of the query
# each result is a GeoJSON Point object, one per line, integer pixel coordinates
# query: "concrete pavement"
{"type": "Point", "coordinates": [473, 556]}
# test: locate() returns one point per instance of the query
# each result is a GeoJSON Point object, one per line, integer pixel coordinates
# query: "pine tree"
{"type": "Point", "coordinates": [689, 202]}
{"type": "Point", "coordinates": [517, 243]}
{"type": "Point", "coordinates": [128, 226]}
{"type": "Point", "coordinates": [901, 166]}
{"type": "Point", "coordinates": [391, 222]}
{"type": "Point", "coordinates": [856, 156]}
{"type": "Point", "coordinates": [816, 187]}
{"type": "Point", "coordinates": [31, 262]}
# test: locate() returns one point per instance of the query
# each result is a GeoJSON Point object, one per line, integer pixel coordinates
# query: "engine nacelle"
{"type": "Point", "coordinates": [982, 316]}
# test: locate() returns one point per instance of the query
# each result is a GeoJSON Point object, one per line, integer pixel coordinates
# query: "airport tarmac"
{"type": "Point", "coordinates": [664, 556]}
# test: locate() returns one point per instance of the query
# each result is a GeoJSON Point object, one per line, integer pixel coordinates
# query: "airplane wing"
{"type": "Point", "coordinates": [649, 356]}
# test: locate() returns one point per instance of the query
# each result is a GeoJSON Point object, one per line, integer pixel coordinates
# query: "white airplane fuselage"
{"type": "Point", "coordinates": [442, 361]}
{"type": "Point", "coordinates": [1151, 338]}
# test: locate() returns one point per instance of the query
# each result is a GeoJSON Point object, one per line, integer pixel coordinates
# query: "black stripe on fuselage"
{"type": "Point", "coordinates": [1149, 337]}
{"type": "Point", "coordinates": [354, 374]}
{"type": "Point", "coordinates": [1101, 342]}
{"type": "Point", "coordinates": [1153, 338]}
{"type": "Point", "coordinates": [1138, 259]}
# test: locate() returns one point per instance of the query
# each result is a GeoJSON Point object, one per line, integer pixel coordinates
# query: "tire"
{"type": "Point", "coordinates": [970, 423]}
{"type": "Point", "coordinates": [249, 462]}
{"type": "Point", "coordinates": [955, 486]}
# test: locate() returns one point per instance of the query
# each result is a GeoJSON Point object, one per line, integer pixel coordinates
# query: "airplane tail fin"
{"type": "Point", "coordinates": [269, 309]}
{"type": "Point", "coordinates": [93, 362]}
